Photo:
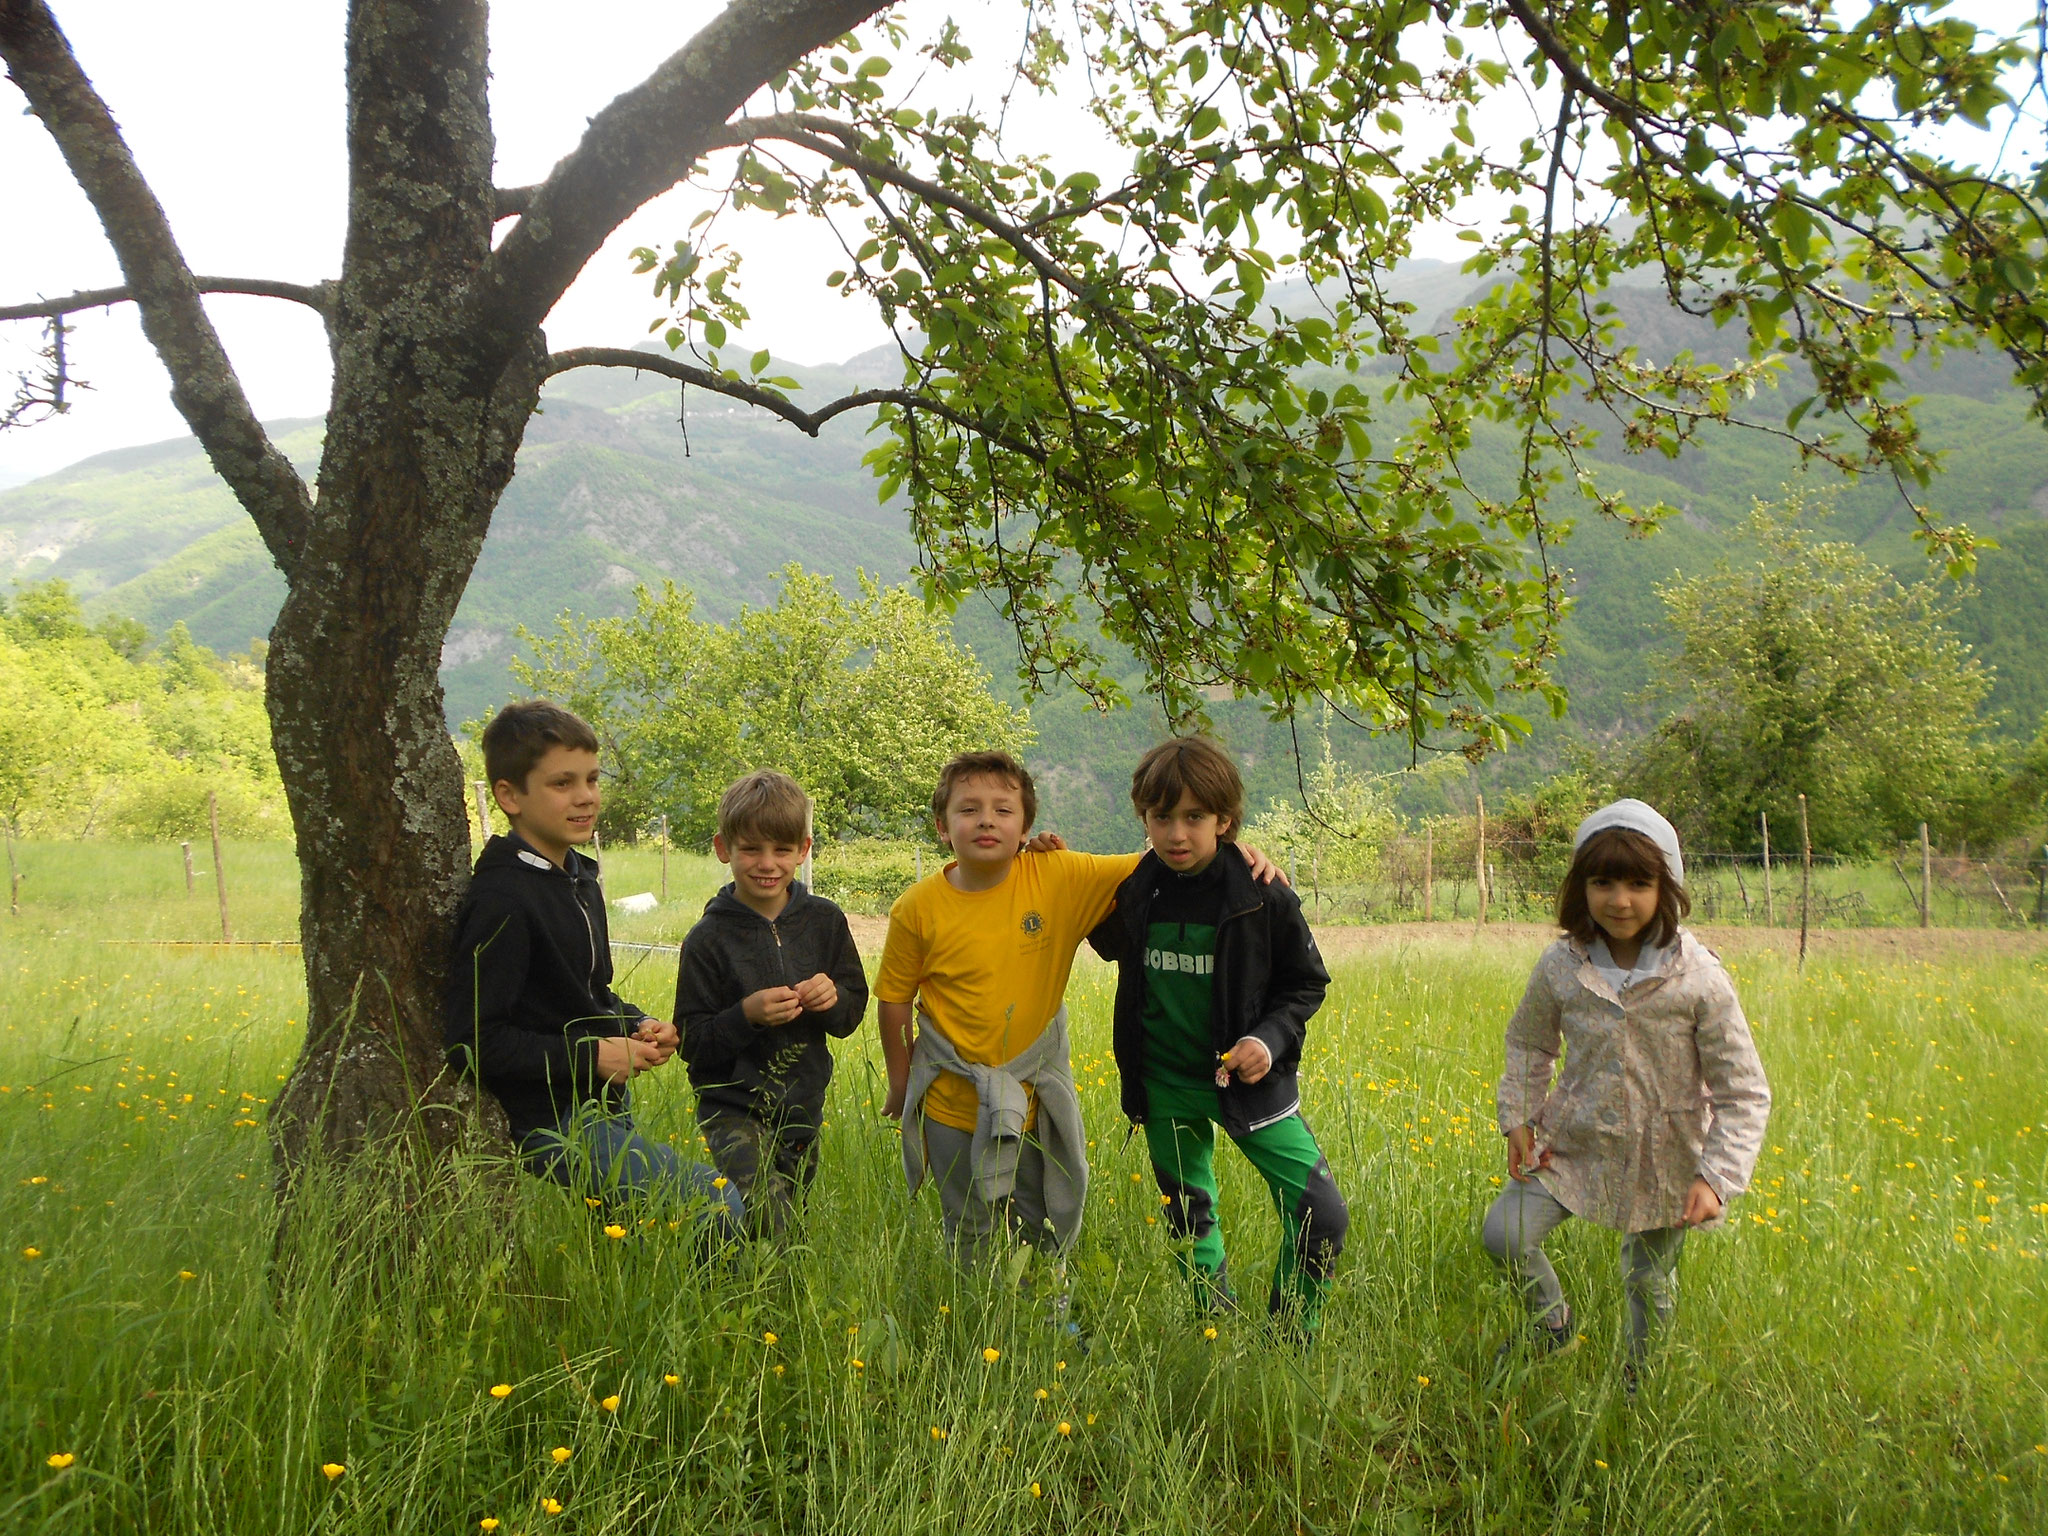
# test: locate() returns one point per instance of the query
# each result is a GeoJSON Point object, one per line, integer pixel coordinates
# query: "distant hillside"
{"type": "Point", "coordinates": [613, 490]}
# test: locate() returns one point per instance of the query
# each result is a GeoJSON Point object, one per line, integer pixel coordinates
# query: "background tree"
{"type": "Point", "coordinates": [1100, 422]}
{"type": "Point", "coordinates": [100, 733]}
{"type": "Point", "coordinates": [861, 700]}
{"type": "Point", "coordinates": [1812, 669]}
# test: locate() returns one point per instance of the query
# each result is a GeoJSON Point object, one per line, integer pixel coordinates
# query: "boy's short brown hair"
{"type": "Point", "coordinates": [985, 765]}
{"type": "Point", "coordinates": [520, 734]}
{"type": "Point", "coordinates": [1193, 765]}
{"type": "Point", "coordinates": [765, 804]}
{"type": "Point", "coordinates": [1620, 853]}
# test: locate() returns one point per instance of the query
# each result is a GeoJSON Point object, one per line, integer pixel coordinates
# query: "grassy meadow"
{"type": "Point", "coordinates": [1866, 1346]}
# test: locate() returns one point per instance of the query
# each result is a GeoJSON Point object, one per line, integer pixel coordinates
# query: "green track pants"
{"type": "Point", "coordinates": [1313, 1217]}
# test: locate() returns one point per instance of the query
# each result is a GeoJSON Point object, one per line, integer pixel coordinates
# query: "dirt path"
{"type": "Point", "coordinates": [1340, 941]}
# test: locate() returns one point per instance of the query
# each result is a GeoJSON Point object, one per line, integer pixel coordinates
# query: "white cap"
{"type": "Point", "coordinates": [1636, 816]}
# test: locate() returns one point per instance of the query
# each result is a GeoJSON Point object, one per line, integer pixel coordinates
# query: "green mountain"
{"type": "Point", "coordinates": [624, 479]}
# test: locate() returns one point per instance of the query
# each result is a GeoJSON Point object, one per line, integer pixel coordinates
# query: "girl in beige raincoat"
{"type": "Point", "coordinates": [1654, 1122]}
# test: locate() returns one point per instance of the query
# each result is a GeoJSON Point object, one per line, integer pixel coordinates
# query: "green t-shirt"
{"type": "Point", "coordinates": [1180, 971]}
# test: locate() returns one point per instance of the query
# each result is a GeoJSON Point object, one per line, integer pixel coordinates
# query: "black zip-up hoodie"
{"type": "Point", "coordinates": [769, 1071]}
{"type": "Point", "coordinates": [530, 984]}
{"type": "Point", "coordinates": [1269, 979]}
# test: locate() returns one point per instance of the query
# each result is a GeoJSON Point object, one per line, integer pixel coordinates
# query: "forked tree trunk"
{"type": "Point", "coordinates": [421, 436]}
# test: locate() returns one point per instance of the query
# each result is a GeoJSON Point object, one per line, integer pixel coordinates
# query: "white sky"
{"type": "Point", "coordinates": [234, 110]}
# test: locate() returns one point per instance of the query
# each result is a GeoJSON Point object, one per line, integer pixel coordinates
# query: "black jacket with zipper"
{"type": "Point", "coordinates": [1269, 979]}
{"type": "Point", "coordinates": [770, 1071]}
{"type": "Point", "coordinates": [530, 984]}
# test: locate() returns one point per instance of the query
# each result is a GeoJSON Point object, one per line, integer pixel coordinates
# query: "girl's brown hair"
{"type": "Point", "coordinates": [1620, 854]}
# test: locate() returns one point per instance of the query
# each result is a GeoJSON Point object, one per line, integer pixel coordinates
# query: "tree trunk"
{"type": "Point", "coordinates": [422, 432]}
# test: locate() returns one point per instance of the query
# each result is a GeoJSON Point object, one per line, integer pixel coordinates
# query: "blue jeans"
{"type": "Point", "coordinates": [605, 1156]}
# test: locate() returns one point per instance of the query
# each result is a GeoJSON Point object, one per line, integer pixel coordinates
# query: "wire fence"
{"type": "Point", "coordinates": [1442, 874]}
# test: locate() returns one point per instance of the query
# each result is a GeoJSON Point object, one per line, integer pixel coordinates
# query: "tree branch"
{"type": "Point", "coordinates": [316, 296]}
{"type": "Point", "coordinates": [772, 400]}
{"type": "Point", "coordinates": [642, 144]}
{"type": "Point", "coordinates": [513, 201]}
{"type": "Point", "coordinates": [203, 383]}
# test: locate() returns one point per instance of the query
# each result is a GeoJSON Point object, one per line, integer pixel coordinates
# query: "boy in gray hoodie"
{"type": "Point", "coordinates": [768, 974]}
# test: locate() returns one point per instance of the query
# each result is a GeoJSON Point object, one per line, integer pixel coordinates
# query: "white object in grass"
{"type": "Point", "coordinates": [643, 902]}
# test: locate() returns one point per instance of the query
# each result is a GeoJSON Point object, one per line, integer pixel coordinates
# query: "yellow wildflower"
{"type": "Point", "coordinates": [991, 1354]}
{"type": "Point", "coordinates": [551, 1506]}
{"type": "Point", "coordinates": [1422, 1381]}
{"type": "Point", "coordinates": [593, 1202]}
{"type": "Point", "coordinates": [561, 1453]}
{"type": "Point", "coordinates": [1037, 1492]}
{"type": "Point", "coordinates": [31, 1253]}
{"type": "Point", "coordinates": [1065, 1427]}
{"type": "Point", "coordinates": [332, 1470]}
{"type": "Point", "coordinates": [778, 1370]}
{"type": "Point", "coordinates": [610, 1404]}
{"type": "Point", "coordinates": [938, 1433]}
{"type": "Point", "coordinates": [61, 1459]}
{"type": "Point", "coordinates": [1041, 1394]}
{"type": "Point", "coordinates": [670, 1379]}
{"type": "Point", "coordinates": [860, 1365]}
{"type": "Point", "coordinates": [719, 1182]}
{"type": "Point", "coordinates": [1208, 1333]}
{"type": "Point", "coordinates": [488, 1524]}
{"type": "Point", "coordinates": [768, 1338]}
{"type": "Point", "coordinates": [502, 1389]}
{"type": "Point", "coordinates": [614, 1231]}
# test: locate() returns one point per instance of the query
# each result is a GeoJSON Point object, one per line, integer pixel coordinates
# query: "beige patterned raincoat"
{"type": "Point", "coordinates": [1660, 1085]}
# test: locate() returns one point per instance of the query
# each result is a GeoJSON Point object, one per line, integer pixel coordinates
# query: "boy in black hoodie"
{"type": "Point", "coordinates": [768, 973]}
{"type": "Point", "coordinates": [1218, 977]}
{"type": "Point", "coordinates": [531, 1010]}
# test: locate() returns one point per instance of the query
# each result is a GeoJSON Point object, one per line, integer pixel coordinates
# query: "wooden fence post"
{"type": "Point", "coordinates": [483, 813]}
{"type": "Point", "coordinates": [1479, 860]}
{"type": "Point", "coordinates": [1770, 901]}
{"type": "Point", "coordinates": [191, 881]}
{"type": "Point", "coordinates": [1429, 874]}
{"type": "Point", "coordinates": [807, 845]}
{"type": "Point", "coordinates": [664, 858]}
{"type": "Point", "coordinates": [13, 875]}
{"type": "Point", "coordinates": [2041, 891]}
{"type": "Point", "coordinates": [1805, 879]}
{"type": "Point", "coordinates": [1926, 880]}
{"type": "Point", "coordinates": [220, 880]}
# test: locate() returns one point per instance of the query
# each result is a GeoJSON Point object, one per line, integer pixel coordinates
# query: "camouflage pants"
{"type": "Point", "coordinates": [771, 1163]}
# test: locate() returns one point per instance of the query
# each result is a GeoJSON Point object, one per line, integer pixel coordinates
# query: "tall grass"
{"type": "Point", "coordinates": [1864, 1347]}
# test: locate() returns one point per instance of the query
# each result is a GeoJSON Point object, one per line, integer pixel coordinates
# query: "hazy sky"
{"type": "Point", "coordinates": [234, 110]}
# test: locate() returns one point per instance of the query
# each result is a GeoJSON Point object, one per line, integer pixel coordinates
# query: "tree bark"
{"type": "Point", "coordinates": [421, 437]}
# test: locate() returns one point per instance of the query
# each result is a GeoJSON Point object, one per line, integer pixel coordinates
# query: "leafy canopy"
{"type": "Point", "coordinates": [861, 700]}
{"type": "Point", "coordinates": [1165, 400]}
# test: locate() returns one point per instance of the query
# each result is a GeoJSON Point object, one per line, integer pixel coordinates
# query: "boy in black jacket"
{"type": "Point", "coordinates": [768, 973]}
{"type": "Point", "coordinates": [1218, 977]}
{"type": "Point", "coordinates": [531, 1010]}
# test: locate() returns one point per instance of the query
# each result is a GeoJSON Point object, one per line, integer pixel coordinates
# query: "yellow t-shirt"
{"type": "Point", "coordinates": [990, 967]}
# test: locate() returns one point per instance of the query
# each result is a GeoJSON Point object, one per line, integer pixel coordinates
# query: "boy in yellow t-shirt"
{"type": "Point", "coordinates": [983, 949]}
{"type": "Point", "coordinates": [979, 953]}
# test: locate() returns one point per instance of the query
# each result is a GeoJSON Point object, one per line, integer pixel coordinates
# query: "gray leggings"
{"type": "Point", "coordinates": [971, 1221]}
{"type": "Point", "coordinates": [1527, 1213]}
